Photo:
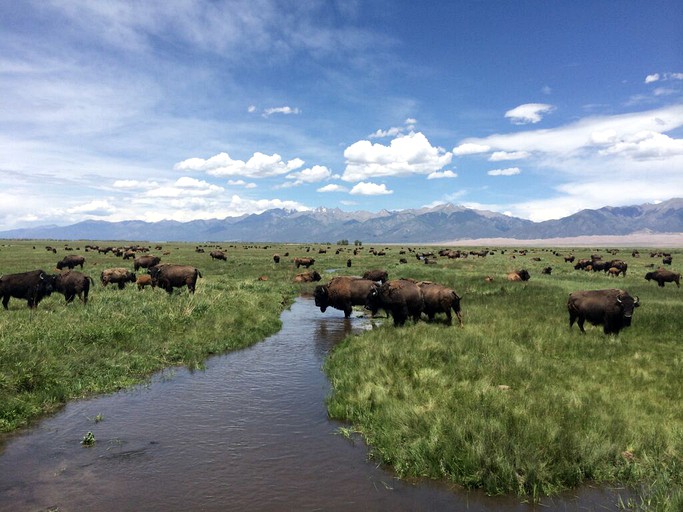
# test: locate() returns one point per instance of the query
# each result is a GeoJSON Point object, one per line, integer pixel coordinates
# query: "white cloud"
{"type": "Point", "coordinates": [311, 175]}
{"type": "Point", "coordinates": [281, 110]}
{"type": "Point", "coordinates": [251, 109]}
{"type": "Point", "coordinates": [241, 183]}
{"type": "Point", "coordinates": [391, 132]}
{"type": "Point", "coordinates": [499, 156]}
{"type": "Point", "coordinates": [470, 148]}
{"type": "Point", "coordinates": [186, 187]}
{"type": "Point", "coordinates": [645, 145]}
{"type": "Point", "coordinates": [133, 184]}
{"type": "Point", "coordinates": [445, 174]}
{"type": "Point", "coordinates": [370, 189]}
{"type": "Point", "coordinates": [652, 78]}
{"type": "Point", "coordinates": [510, 171]}
{"type": "Point", "coordinates": [96, 208]}
{"type": "Point", "coordinates": [405, 155]}
{"type": "Point", "coordinates": [656, 77]}
{"type": "Point", "coordinates": [332, 188]}
{"type": "Point", "coordinates": [258, 166]}
{"type": "Point", "coordinates": [528, 113]}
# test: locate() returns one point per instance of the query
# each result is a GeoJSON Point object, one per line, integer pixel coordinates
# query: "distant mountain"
{"type": "Point", "coordinates": [438, 224]}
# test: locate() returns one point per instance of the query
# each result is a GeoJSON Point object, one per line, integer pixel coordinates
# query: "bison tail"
{"type": "Point", "coordinates": [199, 273]}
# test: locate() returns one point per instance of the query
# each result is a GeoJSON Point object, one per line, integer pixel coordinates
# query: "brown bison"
{"type": "Point", "coordinates": [119, 276]}
{"type": "Point", "coordinates": [613, 309]}
{"type": "Point", "coordinates": [145, 261]}
{"type": "Point", "coordinates": [144, 280]}
{"type": "Point", "coordinates": [343, 293]}
{"type": "Point", "coordinates": [400, 297]}
{"type": "Point", "coordinates": [174, 276]}
{"type": "Point", "coordinates": [620, 265]}
{"type": "Point", "coordinates": [71, 261]}
{"type": "Point", "coordinates": [307, 277]}
{"type": "Point", "coordinates": [662, 275]}
{"type": "Point", "coordinates": [440, 299]}
{"type": "Point", "coordinates": [72, 283]}
{"type": "Point", "coordinates": [276, 258]}
{"type": "Point", "coordinates": [32, 286]}
{"type": "Point", "coordinates": [377, 275]}
{"type": "Point", "coordinates": [218, 255]}
{"type": "Point", "coordinates": [303, 262]}
{"type": "Point", "coordinates": [518, 275]}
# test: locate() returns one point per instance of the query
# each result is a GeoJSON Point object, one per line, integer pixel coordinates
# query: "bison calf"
{"type": "Point", "coordinates": [144, 280]}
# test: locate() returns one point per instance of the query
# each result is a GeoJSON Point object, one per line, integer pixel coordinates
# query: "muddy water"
{"type": "Point", "coordinates": [249, 433]}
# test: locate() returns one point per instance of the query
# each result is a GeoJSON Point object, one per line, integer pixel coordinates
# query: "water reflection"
{"type": "Point", "coordinates": [249, 433]}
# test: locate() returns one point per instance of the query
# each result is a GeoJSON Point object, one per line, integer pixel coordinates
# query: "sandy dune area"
{"type": "Point", "coordinates": [654, 240]}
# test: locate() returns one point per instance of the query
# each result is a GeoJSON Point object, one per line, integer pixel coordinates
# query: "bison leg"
{"type": "Point", "coordinates": [661, 283]}
{"type": "Point", "coordinates": [70, 297]}
{"type": "Point", "coordinates": [580, 323]}
{"type": "Point", "coordinates": [347, 310]}
{"type": "Point", "coordinates": [5, 301]}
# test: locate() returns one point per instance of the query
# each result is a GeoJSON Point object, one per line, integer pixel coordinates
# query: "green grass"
{"type": "Point", "coordinates": [513, 403]}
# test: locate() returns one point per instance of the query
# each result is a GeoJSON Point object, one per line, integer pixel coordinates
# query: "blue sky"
{"type": "Point", "coordinates": [195, 109]}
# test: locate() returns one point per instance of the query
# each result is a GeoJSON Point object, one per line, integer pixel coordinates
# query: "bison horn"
{"type": "Point", "coordinates": [637, 301]}
{"type": "Point", "coordinates": [619, 299]}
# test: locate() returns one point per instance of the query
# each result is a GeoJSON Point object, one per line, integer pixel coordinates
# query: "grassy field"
{"type": "Point", "coordinates": [514, 402]}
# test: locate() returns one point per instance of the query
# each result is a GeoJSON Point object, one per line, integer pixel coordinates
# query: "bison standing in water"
{"type": "Point", "coordinates": [400, 297]}
{"type": "Point", "coordinates": [662, 275]}
{"type": "Point", "coordinates": [440, 299]}
{"type": "Point", "coordinates": [343, 293]}
{"type": "Point", "coordinates": [71, 261]}
{"type": "Point", "coordinates": [72, 283]}
{"type": "Point", "coordinates": [32, 286]}
{"type": "Point", "coordinates": [174, 276]}
{"type": "Point", "coordinates": [613, 309]}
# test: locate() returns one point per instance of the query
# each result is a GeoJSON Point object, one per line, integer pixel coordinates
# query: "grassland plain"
{"type": "Point", "coordinates": [514, 402]}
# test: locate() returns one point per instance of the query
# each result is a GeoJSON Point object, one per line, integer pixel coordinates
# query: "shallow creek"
{"type": "Point", "coordinates": [250, 432]}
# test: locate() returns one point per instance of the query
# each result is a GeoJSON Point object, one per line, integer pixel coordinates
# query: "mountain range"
{"type": "Point", "coordinates": [426, 225]}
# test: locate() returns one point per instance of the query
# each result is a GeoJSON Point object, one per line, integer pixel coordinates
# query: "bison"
{"type": "Point", "coordinates": [72, 283]}
{"type": "Point", "coordinates": [307, 277]}
{"type": "Point", "coordinates": [518, 275]}
{"type": "Point", "coordinates": [144, 280]}
{"type": "Point", "coordinates": [218, 255]}
{"type": "Point", "coordinates": [71, 261]}
{"type": "Point", "coordinates": [32, 286]}
{"type": "Point", "coordinates": [613, 309]}
{"type": "Point", "coordinates": [343, 293]}
{"type": "Point", "coordinates": [377, 275]}
{"type": "Point", "coordinates": [440, 299]}
{"type": "Point", "coordinates": [276, 258]}
{"type": "Point", "coordinates": [303, 262]}
{"type": "Point", "coordinates": [662, 275]}
{"type": "Point", "coordinates": [119, 276]}
{"type": "Point", "coordinates": [400, 297]}
{"type": "Point", "coordinates": [174, 276]}
{"type": "Point", "coordinates": [145, 261]}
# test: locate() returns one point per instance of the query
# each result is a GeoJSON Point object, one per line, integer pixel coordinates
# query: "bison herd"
{"type": "Point", "coordinates": [400, 298]}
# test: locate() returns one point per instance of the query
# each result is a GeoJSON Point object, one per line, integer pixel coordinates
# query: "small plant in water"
{"type": "Point", "coordinates": [99, 418]}
{"type": "Point", "coordinates": [88, 439]}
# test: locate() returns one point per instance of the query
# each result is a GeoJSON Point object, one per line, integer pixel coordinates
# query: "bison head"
{"type": "Point", "coordinates": [649, 276]}
{"type": "Point", "coordinates": [627, 304]}
{"type": "Point", "coordinates": [321, 295]}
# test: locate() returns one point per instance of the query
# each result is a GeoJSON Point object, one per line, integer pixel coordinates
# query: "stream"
{"type": "Point", "coordinates": [249, 432]}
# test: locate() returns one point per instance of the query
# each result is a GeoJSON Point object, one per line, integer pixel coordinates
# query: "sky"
{"type": "Point", "coordinates": [200, 109]}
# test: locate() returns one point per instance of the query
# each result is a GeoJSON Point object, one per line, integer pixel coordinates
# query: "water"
{"type": "Point", "coordinates": [250, 432]}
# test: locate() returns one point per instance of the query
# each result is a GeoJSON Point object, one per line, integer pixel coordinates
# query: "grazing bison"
{"type": "Point", "coordinates": [662, 275]}
{"type": "Point", "coordinates": [174, 276]}
{"type": "Point", "coordinates": [400, 297]}
{"type": "Point", "coordinates": [666, 260]}
{"type": "Point", "coordinates": [72, 283]}
{"type": "Point", "coordinates": [547, 271]}
{"type": "Point", "coordinates": [377, 275]}
{"type": "Point", "coordinates": [218, 255]}
{"type": "Point", "coordinates": [307, 277]}
{"type": "Point", "coordinates": [620, 265]}
{"type": "Point", "coordinates": [440, 299]}
{"type": "Point", "coordinates": [276, 258]}
{"type": "Point", "coordinates": [119, 276]}
{"type": "Point", "coordinates": [343, 293]}
{"type": "Point", "coordinates": [144, 280]}
{"type": "Point", "coordinates": [71, 261]}
{"type": "Point", "coordinates": [145, 261]}
{"type": "Point", "coordinates": [611, 308]}
{"type": "Point", "coordinates": [518, 275]}
{"type": "Point", "coordinates": [303, 262]}
{"type": "Point", "coordinates": [32, 286]}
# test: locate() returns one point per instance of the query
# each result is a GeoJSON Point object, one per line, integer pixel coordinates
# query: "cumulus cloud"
{"type": "Point", "coordinates": [370, 189]}
{"type": "Point", "coordinates": [469, 148]}
{"type": "Point", "coordinates": [405, 155]}
{"type": "Point", "coordinates": [96, 208]}
{"type": "Point", "coordinates": [652, 78]}
{"type": "Point", "coordinates": [498, 156]}
{"type": "Point", "coordinates": [281, 110]}
{"type": "Point", "coordinates": [445, 174]}
{"type": "Point", "coordinates": [311, 175]}
{"type": "Point", "coordinates": [529, 113]}
{"type": "Point", "coordinates": [134, 184]}
{"type": "Point", "coordinates": [395, 130]}
{"type": "Point", "coordinates": [645, 145]}
{"type": "Point", "coordinates": [510, 171]}
{"type": "Point", "coordinates": [241, 183]}
{"type": "Point", "coordinates": [258, 166]}
{"type": "Point", "coordinates": [656, 77]}
{"type": "Point", "coordinates": [186, 187]}
{"type": "Point", "coordinates": [332, 188]}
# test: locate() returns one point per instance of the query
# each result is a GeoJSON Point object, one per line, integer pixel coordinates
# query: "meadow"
{"type": "Point", "coordinates": [514, 402]}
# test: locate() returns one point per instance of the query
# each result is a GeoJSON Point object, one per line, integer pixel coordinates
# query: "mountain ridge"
{"type": "Point", "coordinates": [422, 225]}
